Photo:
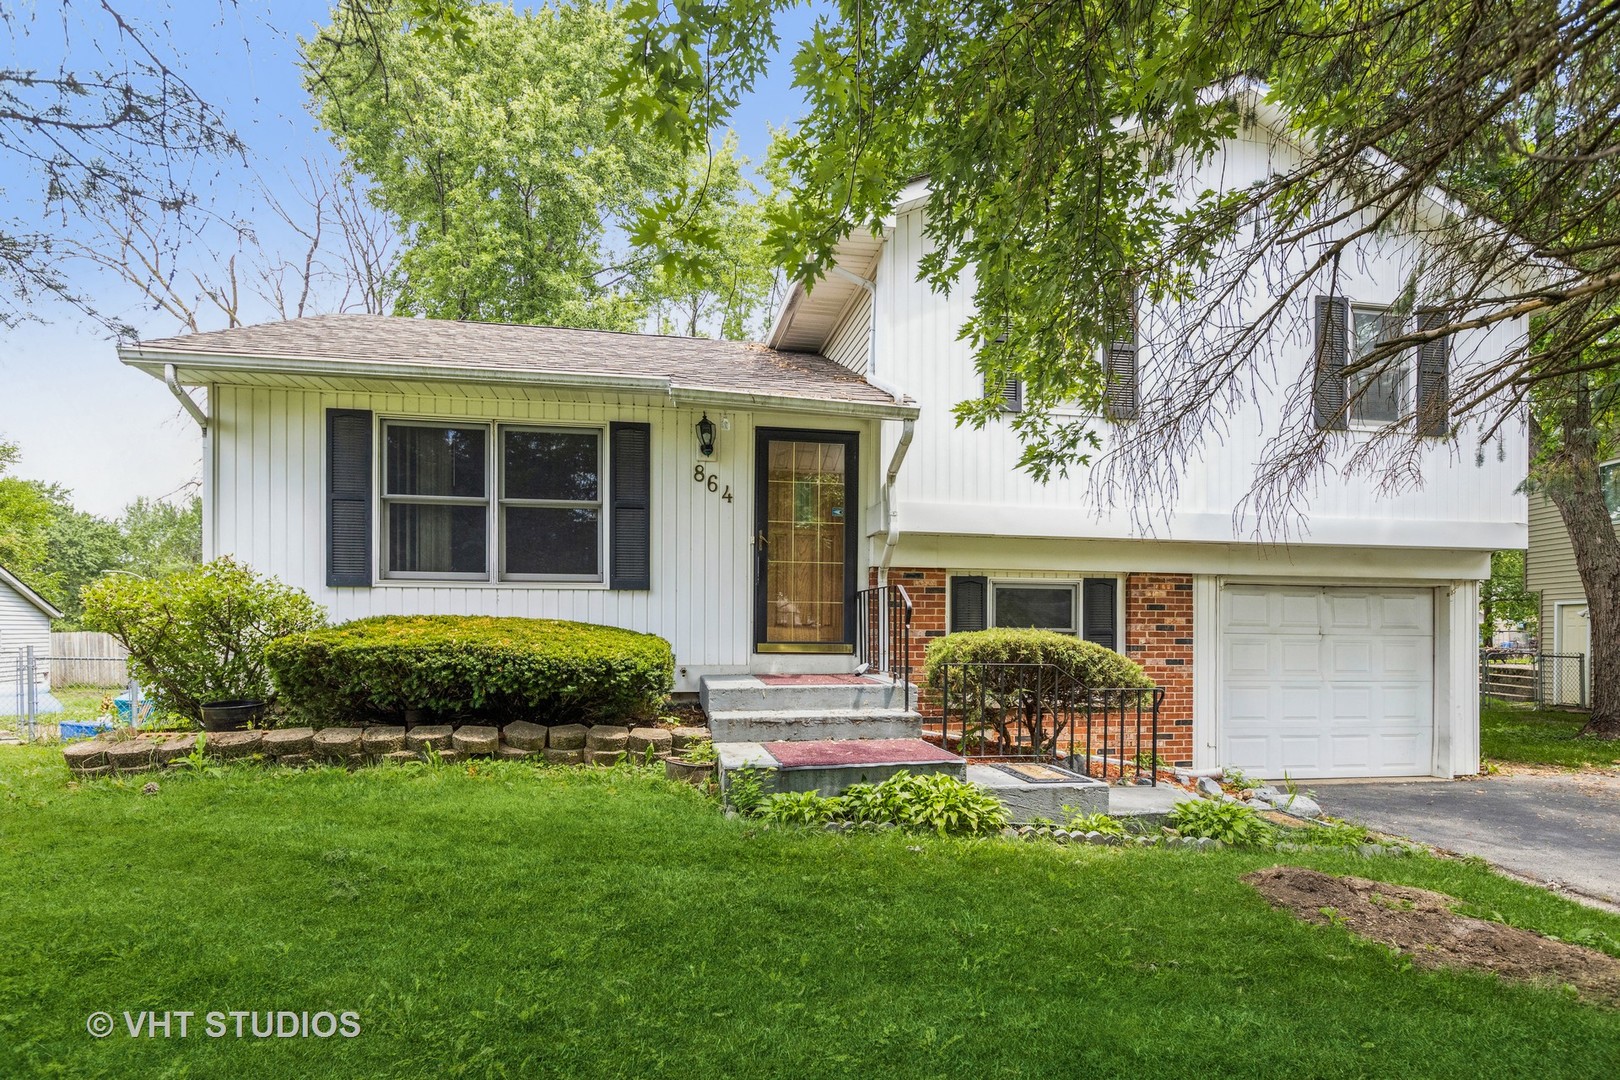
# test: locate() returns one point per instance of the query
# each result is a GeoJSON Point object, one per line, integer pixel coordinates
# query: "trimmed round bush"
{"type": "Point", "coordinates": [1087, 664]}
{"type": "Point", "coordinates": [457, 666]}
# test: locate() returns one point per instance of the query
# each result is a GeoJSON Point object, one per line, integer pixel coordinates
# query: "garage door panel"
{"type": "Point", "coordinates": [1338, 682]}
{"type": "Point", "coordinates": [1411, 658]}
{"type": "Point", "coordinates": [1349, 658]}
{"type": "Point", "coordinates": [1302, 657]}
{"type": "Point", "coordinates": [1298, 611]}
{"type": "Point", "coordinates": [1349, 611]}
{"type": "Point", "coordinates": [1300, 753]}
{"type": "Point", "coordinates": [1248, 656]}
{"type": "Point", "coordinates": [1352, 752]}
{"type": "Point", "coordinates": [1413, 612]}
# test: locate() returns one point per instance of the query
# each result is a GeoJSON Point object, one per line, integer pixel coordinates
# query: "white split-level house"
{"type": "Point", "coordinates": [392, 465]}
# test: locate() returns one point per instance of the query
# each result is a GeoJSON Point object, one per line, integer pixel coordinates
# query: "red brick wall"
{"type": "Point", "coordinates": [926, 587]}
{"type": "Point", "coordinates": [1158, 635]}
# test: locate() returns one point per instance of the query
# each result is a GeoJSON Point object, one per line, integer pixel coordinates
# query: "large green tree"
{"type": "Point", "coordinates": [493, 147]}
{"type": "Point", "coordinates": [1055, 139]}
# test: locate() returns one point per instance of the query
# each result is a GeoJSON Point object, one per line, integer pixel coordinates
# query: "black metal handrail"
{"type": "Point", "coordinates": [1038, 712]}
{"type": "Point", "coordinates": [883, 632]}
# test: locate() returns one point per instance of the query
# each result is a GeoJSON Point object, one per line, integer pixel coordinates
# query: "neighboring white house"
{"type": "Point", "coordinates": [398, 465]}
{"type": "Point", "coordinates": [25, 621]}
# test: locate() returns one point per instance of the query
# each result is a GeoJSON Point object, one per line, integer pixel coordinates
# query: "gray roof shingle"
{"type": "Point", "coordinates": [696, 364]}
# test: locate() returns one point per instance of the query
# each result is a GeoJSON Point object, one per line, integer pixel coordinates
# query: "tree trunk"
{"type": "Point", "coordinates": [1578, 494]}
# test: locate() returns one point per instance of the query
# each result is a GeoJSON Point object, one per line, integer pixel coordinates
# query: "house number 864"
{"type": "Point", "coordinates": [711, 481]}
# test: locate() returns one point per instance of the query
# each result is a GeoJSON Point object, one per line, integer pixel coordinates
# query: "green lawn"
{"type": "Point", "coordinates": [1531, 735]}
{"type": "Point", "coordinates": [550, 923]}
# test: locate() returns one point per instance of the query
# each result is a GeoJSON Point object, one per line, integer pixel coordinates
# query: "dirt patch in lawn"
{"type": "Point", "coordinates": [1421, 925]}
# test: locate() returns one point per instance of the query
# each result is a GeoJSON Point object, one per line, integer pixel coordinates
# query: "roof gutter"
{"type": "Point", "coordinates": [179, 392]}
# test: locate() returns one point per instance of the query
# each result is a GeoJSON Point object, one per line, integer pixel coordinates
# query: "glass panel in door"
{"type": "Point", "coordinates": [806, 522]}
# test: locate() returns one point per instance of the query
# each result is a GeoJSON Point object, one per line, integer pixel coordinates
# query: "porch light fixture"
{"type": "Point", "coordinates": [705, 434]}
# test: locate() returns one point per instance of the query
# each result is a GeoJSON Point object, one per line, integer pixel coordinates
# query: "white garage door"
{"type": "Point", "coordinates": [1319, 682]}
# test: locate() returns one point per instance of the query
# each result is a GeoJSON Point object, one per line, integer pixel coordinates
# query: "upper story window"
{"type": "Point", "coordinates": [1609, 477]}
{"type": "Point", "coordinates": [459, 499]}
{"type": "Point", "coordinates": [1382, 394]}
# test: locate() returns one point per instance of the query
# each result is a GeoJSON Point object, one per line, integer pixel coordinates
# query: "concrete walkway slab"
{"type": "Point", "coordinates": [1562, 829]}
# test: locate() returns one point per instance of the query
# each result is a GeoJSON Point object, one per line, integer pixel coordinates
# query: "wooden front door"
{"type": "Point", "coordinates": [805, 539]}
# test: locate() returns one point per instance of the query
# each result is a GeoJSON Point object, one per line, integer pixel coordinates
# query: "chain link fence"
{"type": "Point", "coordinates": [1539, 677]}
{"type": "Point", "coordinates": [46, 697]}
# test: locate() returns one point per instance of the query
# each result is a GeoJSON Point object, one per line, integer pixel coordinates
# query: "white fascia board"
{"type": "Point", "coordinates": [784, 315]}
{"type": "Point", "coordinates": [1077, 523]}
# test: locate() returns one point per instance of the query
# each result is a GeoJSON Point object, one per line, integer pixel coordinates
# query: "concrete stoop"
{"type": "Point", "coordinates": [831, 766]}
{"type": "Point", "coordinates": [750, 709]}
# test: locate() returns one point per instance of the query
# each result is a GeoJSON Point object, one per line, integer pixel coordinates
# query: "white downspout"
{"type": "Point", "coordinates": [173, 383]}
{"type": "Point", "coordinates": [891, 518]}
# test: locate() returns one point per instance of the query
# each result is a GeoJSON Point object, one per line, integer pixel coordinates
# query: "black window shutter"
{"type": "Point", "coordinates": [1332, 352]}
{"type": "Point", "coordinates": [630, 548]}
{"type": "Point", "coordinates": [1121, 377]}
{"type": "Point", "coordinates": [1010, 391]}
{"type": "Point", "coordinates": [1100, 611]}
{"type": "Point", "coordinates": [348, 497]}
{"type": "Point", "coordinates": [970, 603]}
{"type": "Point", "coordinates": [1433, 381]}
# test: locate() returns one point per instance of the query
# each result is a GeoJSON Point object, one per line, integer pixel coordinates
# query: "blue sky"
{"type": "Point", "coordinates": [111, 434]}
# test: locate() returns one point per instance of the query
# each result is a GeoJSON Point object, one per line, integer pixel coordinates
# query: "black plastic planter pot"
{"type": "Point", "coordinates": [230, 715]}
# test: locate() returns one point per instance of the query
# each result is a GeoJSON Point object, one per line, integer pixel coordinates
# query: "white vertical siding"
{"type": "Point", "coordinates": [958, 479]}
{"type": "Point", "coordinates": [21, 625]}
{"type": "Point", "coordinates": [267, 506]}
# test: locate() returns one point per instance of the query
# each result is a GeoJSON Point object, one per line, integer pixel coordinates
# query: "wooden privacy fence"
{"type": "Point", "coordinates": [82, 658]}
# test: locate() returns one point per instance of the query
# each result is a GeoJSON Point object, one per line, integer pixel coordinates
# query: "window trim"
{"type": "Point", "coordinates": [599, 505]}
{"type": "Point", "coordinates": [1614, 511]}
{"type": "Point", "coordinates": [494, 575]}
{"type": "Point", "coordinates": [1407, 408]}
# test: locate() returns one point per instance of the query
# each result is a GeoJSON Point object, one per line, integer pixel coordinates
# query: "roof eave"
{"type": "Point", "coordinates": [152, 362]}
{"type": "Point", "coordinates": [28, 594]}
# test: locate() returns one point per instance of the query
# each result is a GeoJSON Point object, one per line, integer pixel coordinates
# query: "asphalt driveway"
{"type": "Point", "coordinates": [1558, 829]}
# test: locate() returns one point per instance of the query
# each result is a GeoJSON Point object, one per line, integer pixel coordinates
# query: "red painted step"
{"type": "Point", "coordinates": [829, 752]}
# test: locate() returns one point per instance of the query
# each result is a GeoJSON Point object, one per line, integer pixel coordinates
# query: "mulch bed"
{"type": "Point", "coordinates": [1421, 924]}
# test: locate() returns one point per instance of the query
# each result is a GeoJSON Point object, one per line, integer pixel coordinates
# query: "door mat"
{"type": "Point", "coordinates": [1033, 772]}
{"type": "Point", "coordinates": [814, 680]}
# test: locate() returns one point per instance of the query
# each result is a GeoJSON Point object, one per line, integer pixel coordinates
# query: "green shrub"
{"type": "Point", "coordinates": [934, 801]}
{"type": "Point", "coordinates": [1022, 684]}
{"type": "Point", "coordinates": [1093, 823]}
{"type": "Point", "coordinates": [1228, 822]}
{"type": "Point", "coordinates": [499, 669]}
{"type": "Point", "coordinates": [801, 808]}
{"type": "Point", "coordinates": [201, 634]}
{"type": "Point", "coordinates": [1085, 663]}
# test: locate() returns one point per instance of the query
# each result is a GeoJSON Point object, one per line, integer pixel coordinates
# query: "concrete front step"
{"type": "Point", "coordinates": [1028, 800]}
{"type": "Point", "coordinates": [850, 693]}
{"type": "Point", "coordinates": [830, 766]}
{"type": "Point", "coordinates": [809, 725]}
